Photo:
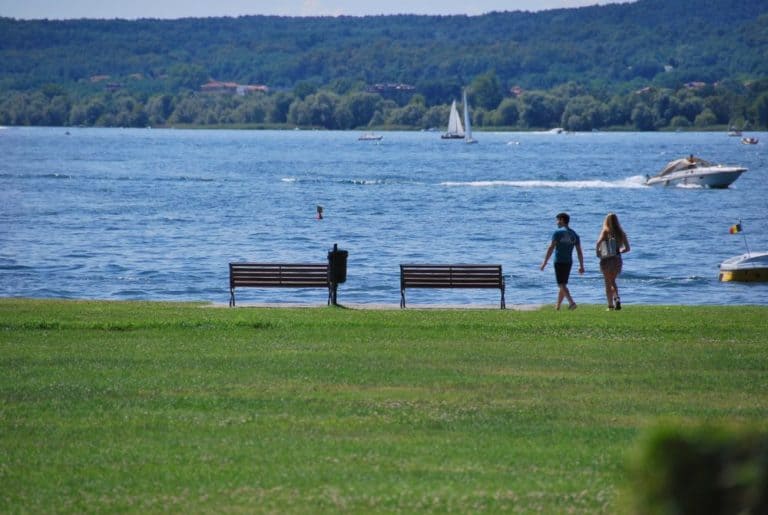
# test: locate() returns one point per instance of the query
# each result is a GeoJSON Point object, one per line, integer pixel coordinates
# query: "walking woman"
{"type": "Point", "coordinates": [611, 244]}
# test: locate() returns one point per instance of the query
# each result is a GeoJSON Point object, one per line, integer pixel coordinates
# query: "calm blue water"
{"type": "Point", "coordinates": [158, 214]}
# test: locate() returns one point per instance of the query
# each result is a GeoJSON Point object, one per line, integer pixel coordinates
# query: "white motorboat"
{"type": "Point", "coordinates": [693, 171]}
{"type": "Point", "coordinates": [749, 267]}
{"type": "Point", "coordinates": [370, 136]}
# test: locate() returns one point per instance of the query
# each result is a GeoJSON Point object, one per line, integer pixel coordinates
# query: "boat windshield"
{"type": "Point", "coordinates": [687, 163]}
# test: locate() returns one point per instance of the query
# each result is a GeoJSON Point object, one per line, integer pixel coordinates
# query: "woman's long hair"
{"type": "Point", "coordinates": [612, 226]}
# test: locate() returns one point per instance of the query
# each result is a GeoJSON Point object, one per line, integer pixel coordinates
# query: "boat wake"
{"type": "Point", "coordinates": [637, 181]}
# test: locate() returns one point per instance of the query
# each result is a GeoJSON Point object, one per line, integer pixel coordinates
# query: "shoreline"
{"type": "Point", "coordinates": [363, 306]}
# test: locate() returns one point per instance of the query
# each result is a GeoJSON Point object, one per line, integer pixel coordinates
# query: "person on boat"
{"type": "Point", "coordinates": [564, 240]}
{"type": "Point", "coordinates": [611, 244]}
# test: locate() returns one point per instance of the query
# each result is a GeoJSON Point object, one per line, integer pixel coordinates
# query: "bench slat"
{"type": "Point", "coordinates": [450, 276]}
{"type": "Point", "coordinates": [278, 275]}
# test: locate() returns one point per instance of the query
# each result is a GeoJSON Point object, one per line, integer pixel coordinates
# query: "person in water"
{"type": "Point", "coordinates": [611, 244]}
{"type": "Point", "coordinates": [564, 240]}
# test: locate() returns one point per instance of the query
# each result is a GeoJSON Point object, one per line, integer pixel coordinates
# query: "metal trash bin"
{"type": "Point", "coordinates": [337, 265]}
{"type": "Point", "coordinates": [337, 269]}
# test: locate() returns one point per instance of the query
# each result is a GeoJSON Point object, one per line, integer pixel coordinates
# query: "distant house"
{"type": "Point", "coordinates": [390, 87]}
{"type": "Point", "coordinates": [231, 88]}
{"type": "Point", "coordinates": [99, 78]}
{"type": "Point", "coordinates": [516, 91]}
{"type": "Point", "coordinates": [695, 85]}
{"type": "Point", "coordinates": [252, 88]}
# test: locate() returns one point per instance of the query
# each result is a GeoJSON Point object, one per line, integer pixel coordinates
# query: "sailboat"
{"type": "Point", "coordinates": [455, 130]}
{"type": "Point", "coordinates": [468, 134]}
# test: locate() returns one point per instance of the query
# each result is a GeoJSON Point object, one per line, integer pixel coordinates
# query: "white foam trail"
{"type": "Point", "coordinates": [637, 181]}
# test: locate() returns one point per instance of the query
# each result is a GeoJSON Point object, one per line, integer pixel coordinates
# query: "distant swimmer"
{"type": "Point", "coordinates": [319, 212]}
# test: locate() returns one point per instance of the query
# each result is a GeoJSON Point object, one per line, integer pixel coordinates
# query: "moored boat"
{"type": "Point", "coordinates": [693, 171]}
{"type": "Point", "coordinates": [455, 129]}
{"type": "Point", "coordinates": [749, 267]}
{"type": "Point", "coordinates": [467, 122]}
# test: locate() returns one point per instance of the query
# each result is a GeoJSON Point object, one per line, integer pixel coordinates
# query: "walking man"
{"type": "Point", "coordinates": [564, 239]}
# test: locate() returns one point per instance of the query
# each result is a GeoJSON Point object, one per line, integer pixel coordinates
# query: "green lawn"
{"type": "Point", "coordinates": [148, 407]}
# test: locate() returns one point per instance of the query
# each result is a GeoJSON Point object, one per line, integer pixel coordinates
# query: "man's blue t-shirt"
{"type": "Point", "coordinates": [566, 239]}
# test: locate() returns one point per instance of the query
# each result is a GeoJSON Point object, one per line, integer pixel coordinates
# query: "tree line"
{"type": "Point", "coordinates": [570, 106]}
{"type": "Point", "coordinates": [647, 64]}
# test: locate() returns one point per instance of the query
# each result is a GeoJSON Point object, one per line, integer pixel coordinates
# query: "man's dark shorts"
{"type": "Point", "coordinates": [563, 272]}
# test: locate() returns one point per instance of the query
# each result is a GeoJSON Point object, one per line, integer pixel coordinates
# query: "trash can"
{"type": "Point", "coordinates": [337, 265]}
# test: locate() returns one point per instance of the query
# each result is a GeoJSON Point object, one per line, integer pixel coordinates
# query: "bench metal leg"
{"type": "Point", "coordinates": [332, 290]}
{"type": "Point", "coordinates": [231, 297]}
{"type": "Point", "coordinates": [402, 298]}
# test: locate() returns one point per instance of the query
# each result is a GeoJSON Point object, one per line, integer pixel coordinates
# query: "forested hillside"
{"type": "Point", "coordinates": [524, 69]}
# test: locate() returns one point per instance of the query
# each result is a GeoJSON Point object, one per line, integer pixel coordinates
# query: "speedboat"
{"type": "Point", "coordinates": [749, 267]}
{"type": "Point", "coordinates": [369, 136]}
{"type": "Point", "coordinates": [749, 141]}
{"type": "Point", "coordinates": [693, 171]}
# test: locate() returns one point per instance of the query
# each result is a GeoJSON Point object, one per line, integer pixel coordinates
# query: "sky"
{"type": "Point", "coordinates": [169, 9]}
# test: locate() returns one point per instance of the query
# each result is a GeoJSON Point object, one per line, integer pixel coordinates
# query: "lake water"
{"type": "Point", "coordinates": [158, 214]}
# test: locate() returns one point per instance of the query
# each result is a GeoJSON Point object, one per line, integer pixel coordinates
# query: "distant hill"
{"type": "Point", "coordinates": [613, 47]}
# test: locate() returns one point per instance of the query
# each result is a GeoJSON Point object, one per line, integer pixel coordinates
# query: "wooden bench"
{"type": "Point", "coordinates": [451, 276]}
{"type": "Point", "coordinates": [279, 275]}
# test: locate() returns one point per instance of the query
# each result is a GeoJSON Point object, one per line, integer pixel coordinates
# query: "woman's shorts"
{"type": "Point", "coordinates": [611, 265]}
{"type": "Point", "coordinates": [563, 272]}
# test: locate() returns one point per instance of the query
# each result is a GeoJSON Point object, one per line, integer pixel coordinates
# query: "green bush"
{"type": "Point", "coordinates": [702, 470]}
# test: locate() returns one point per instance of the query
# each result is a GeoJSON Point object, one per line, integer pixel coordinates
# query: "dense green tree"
{"type": "Point", "coordinates": [187, 76]}
{"type": "Point", "coordinates": [361, 107]}
{"type": "Point", "coordinates": [159, 108]}
{"type": "Point", "coordinates": [643, 118]}
{"type": "Point", "coordinates": [508, 113]}
{"type": "Point", "coordinates": [760, 110]}
{"type": "Point", "coordinates": [281, 103]}
{"type": "Point", "coordinates": [187, 110]}
{"type": "Point", "coordinates": [410, 115]}
{"type": "Point", "coordinates": [679, 122]}
{"type": "Point", "coordinates": [315, 110]}
{"type": "Point", "coordinates": [305, 88]}
{"type": "Point", "coordinates": [485, 91]}
{"type": "Point", "coordinates": [583, 113]}
{"type": "Point", "coordinates": [705, 118]}
{"type": "Point", "coordinates": [540, 110]}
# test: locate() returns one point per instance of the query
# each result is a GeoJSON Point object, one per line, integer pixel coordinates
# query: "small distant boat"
{"type": "Point", "coordinates": [693, 171]}
{"type": "Point", "coordinates": [468, 133]}
{"type": "Point", "coordinates": [734, 132]}
{"type": "Point", "coordinates": [455, 129]}
{"type": "Point", "coordinates": [369, 136]}
{"type": "Point", "coordinates": [749, 267]}
{"type": "Point", "coordinates": [749, 141]}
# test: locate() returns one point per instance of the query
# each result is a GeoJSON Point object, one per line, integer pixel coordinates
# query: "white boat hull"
{"type": "Point", "coordinates": [752, 267]}
{"type": "Point", "coordinates": [712, 177]}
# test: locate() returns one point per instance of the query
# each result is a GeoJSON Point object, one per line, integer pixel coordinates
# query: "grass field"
{"type": "Point", "coordinates": [148, 407]}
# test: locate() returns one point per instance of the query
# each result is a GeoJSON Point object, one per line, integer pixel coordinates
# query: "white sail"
{"type": "Point", "coordinates": [468, 134]}
{"type": "Point", "coordinates": [455, 129]}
